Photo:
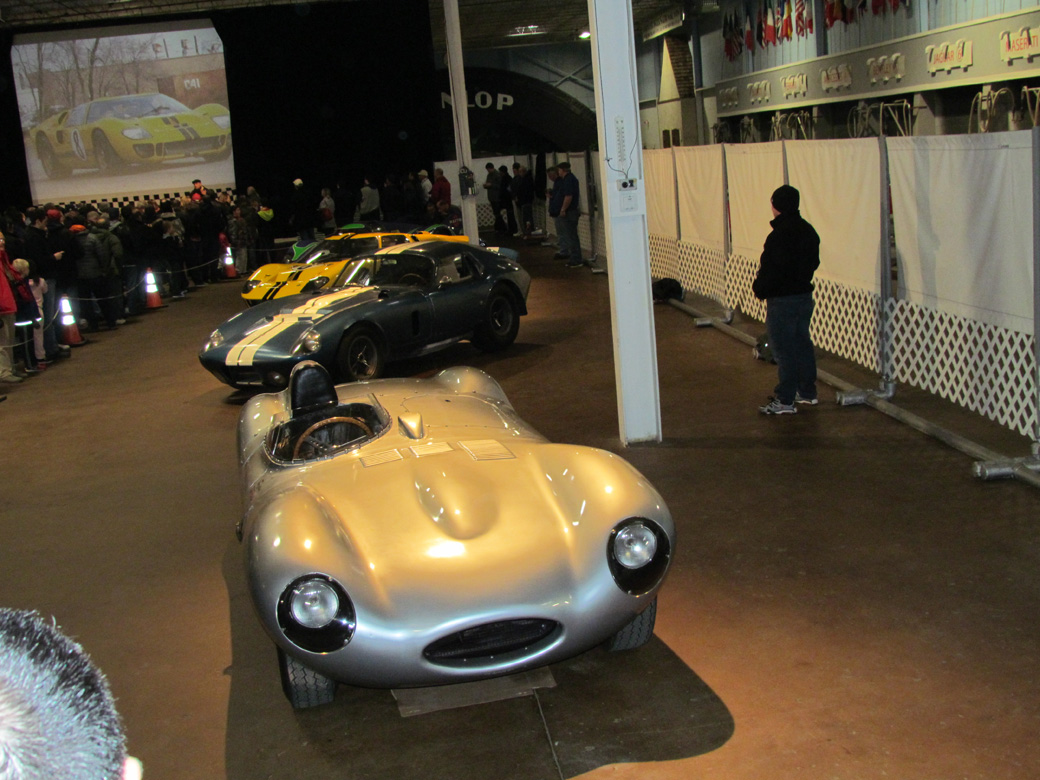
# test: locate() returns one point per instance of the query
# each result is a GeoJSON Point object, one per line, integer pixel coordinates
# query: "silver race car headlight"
{"type": "Point", "coordinates": [315, 284]}
{"type": "Point", "coordinates": [638, 553]}
{"type": "Point", "coordinates": [216, 338]}
{"type": "Point", "coordinates": [314, 603]}
{"type": "Point", "coordinates": [315, 614]}
{"type": "Point", "coordinates": [308, 343]}
{"type": "Point", "coordinates": [250, 285]}
{"type": "Point", "coordinates": [634, 546]}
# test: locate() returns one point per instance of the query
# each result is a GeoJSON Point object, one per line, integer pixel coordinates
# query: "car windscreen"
{"type": "Point", "coordinates": [404, 268]}
{"type": "Point", "coordinates": [133, 106]}
{"type": "Point", "coordinates": [358, 272]}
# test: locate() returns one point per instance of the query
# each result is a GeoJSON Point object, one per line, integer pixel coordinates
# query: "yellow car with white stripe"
{"type": "Point", "coordinates": [327, 265]}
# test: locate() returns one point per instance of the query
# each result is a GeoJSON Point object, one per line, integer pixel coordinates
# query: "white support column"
{"type": "Point", "coordinates": [623, 199]}
{"type": "Point", "coordinates": [460, 114]}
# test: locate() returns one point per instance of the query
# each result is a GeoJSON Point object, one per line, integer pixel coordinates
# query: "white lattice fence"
{"type": "Point", "coordinates": [703, 270]}
{"type": "Point", "coordinates": [847, 323]}
{"type": "Point", "coordinates": [986, 369]}
{"type": "Point", "coordinates": [485, 215]}
{"type": "Point", "coordinates": [740, 273]}
{"type": "Point", "coordinates": [664, 259]}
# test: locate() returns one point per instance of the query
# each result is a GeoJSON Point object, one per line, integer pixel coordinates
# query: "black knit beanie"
{"type": "Point", "coordinates": [785, 199]}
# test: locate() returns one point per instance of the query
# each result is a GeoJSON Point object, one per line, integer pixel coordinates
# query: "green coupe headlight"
{"type": "Point", "coordinates": [216, 338]}
{"type": "Point", "coordinates": [309, 342]}
{"type": "Point", "coordinates": [223, 121]}
{"type": "Point", "coordinates": [136, 133]}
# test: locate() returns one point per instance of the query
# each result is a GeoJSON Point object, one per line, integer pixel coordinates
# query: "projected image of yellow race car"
{"type": "Point", "coordinates": [326, 264]}
{"type": "Point", "coordinates": [111, 133]}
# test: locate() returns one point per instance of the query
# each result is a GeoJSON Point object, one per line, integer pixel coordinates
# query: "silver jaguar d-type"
{"type": "Point", "coordinates": [412, 532]}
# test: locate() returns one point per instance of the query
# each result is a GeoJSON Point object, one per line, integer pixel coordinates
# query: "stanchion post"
{"type": "Point", "coordinates": [884, 348]}
{"type": "Point", "coordinates": [1036, 293]}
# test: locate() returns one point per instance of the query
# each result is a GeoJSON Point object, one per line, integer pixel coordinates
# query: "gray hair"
{"type": "Point", "coordinates": [57, 715]}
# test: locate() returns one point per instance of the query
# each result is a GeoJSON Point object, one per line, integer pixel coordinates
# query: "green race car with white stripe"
{"type": "Point", "coordinates": [420, 298]}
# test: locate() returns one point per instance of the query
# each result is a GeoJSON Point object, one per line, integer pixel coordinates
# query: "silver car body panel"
{"type": "Point", "coordinates": [458, 514]}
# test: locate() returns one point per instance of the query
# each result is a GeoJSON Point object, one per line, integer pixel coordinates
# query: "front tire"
{"type": "Point", "coordinates": [637, 633]}
{"type": "Point", "coordinates": [303, 687]}
{"type": "Point", "coordinates": [360, 356]}
{"type": "Point", "coordinates": [501, 322]}
{"type": "Point", "coordinates": [105, 156]}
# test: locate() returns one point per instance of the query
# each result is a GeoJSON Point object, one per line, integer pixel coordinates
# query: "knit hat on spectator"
{"type": "Point", "coordinates": [785, 199]}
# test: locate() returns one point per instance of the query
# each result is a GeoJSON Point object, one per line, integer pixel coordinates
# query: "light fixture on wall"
{"type": "Point", "coordinates": [584, 35]}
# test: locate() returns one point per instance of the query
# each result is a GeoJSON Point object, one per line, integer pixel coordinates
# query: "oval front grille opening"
{"type": "Point", "coordinates": [490, 639]}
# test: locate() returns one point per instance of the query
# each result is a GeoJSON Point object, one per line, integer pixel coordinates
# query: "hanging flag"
{"type": "Point", "coordinates": [839, 11]}
{"type": "Point", "coordinates": [760, 25]}
{"type": "Point", "coordinates": [770, 23]}
{"type": "Point", "coordinates": [829, 13]}
{"type": "Point", "coordinates": [809, 19]}
{"type": "Point", "coordinates": [749, 35]}
{"type": "Point", "coordinates": [787, 28]}
{"type": "Point", "coordinates": [799, 17]}
{"type": "Point", "coordinates": [738, 34]}
{"type": "Point", "coordinates": [878, 6]}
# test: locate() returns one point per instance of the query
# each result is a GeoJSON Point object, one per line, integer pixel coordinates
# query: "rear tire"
{"type": "Point", "coordinates": [501, 322]}
{"type": "Point", "coordinates": [49, 159]}
{"type": "Point", "coordinates": [360, 356]}
{"type": "Point", "coordinates": [637, 633]}
{"type": "Point", "coordinates": [303, 687]}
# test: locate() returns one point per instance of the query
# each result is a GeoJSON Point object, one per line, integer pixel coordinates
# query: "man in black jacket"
{"type": "Point", "coordinates": [784, 281]}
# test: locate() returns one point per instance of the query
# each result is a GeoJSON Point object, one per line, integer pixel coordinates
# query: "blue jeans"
{"type": "Point", "coordinates": [570, 244]}
{"type": "Point", "coordinates": [787, 320]}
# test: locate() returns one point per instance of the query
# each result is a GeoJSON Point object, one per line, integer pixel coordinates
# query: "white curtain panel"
{"type": "Point", "coordinates": [702, 195]}
{"type": "Point", "coordinates": [963, 214]}
{"type": "Point", "coordinates": [753, 171]}
{"type": "Point", "coordinates": [661, 215]}
{"type": "Point", "coordinates": [840, 186]}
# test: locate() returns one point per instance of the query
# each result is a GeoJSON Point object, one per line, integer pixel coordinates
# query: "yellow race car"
{"type": "Point", "coordinates": [113, 132]}
{"type": "Point", "coordinates": [327, 264]}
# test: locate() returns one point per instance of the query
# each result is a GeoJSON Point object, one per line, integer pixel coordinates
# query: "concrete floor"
{"type": "Point", "coordinates": [846, 600]}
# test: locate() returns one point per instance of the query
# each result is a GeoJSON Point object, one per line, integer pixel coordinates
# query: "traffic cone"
{"type": "Point", "coordinates": [152, 299]}
{"type": "Point", "coordinates": [70, 335]}
{"type": "Point", "coordinates": [229, 265]}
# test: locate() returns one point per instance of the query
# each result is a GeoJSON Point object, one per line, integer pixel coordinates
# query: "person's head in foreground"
{"type": "Point", "coordinates": [58, 720]}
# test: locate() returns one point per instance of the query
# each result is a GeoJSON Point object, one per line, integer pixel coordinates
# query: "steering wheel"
{"type": "Point", "coordinates": [419, 279]}
{"type": "Point", "coordinates": [320, 446]}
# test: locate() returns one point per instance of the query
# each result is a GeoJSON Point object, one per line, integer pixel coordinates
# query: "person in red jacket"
{"type": "Point", "coordinates": [441, 187]}
{"type": "Point", "coordinates": [8, 307]}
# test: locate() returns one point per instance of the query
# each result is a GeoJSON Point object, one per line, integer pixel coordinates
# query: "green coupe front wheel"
{"type": "Point", "coordinates": [360, 355]}
{"type": "Point", "coordinates": [104, 154]}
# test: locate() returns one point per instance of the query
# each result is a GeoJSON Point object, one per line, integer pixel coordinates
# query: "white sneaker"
{"type": "Point", "coordinates": [774, 406]}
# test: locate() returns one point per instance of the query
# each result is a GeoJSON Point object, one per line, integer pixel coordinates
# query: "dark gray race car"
{"type": "Point", "coordinates": [420, 298]}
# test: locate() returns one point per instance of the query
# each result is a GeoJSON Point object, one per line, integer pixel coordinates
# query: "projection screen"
{"type": "Point", "coordinates": [113, 113]}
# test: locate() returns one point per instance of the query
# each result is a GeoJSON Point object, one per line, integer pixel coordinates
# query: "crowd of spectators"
{"type": "Point", "coordinates": [97, 257]}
